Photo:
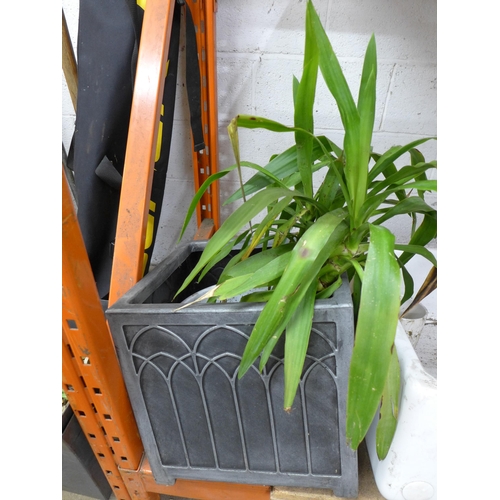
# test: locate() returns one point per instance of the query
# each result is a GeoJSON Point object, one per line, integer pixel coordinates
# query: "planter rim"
{"type": "Point", "coordinates": [132, 300]}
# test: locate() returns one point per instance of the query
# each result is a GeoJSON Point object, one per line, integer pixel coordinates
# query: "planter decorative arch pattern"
{"type": "Point", "coordinates": [191, 380]}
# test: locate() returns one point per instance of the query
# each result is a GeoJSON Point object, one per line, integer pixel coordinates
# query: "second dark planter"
{"type": "Point", "coordinates": [198, 421]}
{"type": "Point", "coordinates": [81, 472]}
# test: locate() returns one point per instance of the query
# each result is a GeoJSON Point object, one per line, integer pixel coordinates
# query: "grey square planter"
{"type": "Point", "coordinates": [198, 421]}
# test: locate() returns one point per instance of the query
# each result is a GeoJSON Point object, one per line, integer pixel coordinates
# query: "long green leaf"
{"type": "Point", "coordinates": [295, 88]}
{"type": "Point", "coordinates": [218, 175]}
{"type": "Point", "coordinates": [409, 285]}
{"type": "Point", "coordinates": [303, 112]}
{"type": "Point", "coordinates": [416, 158]}
{"type": "Point", "coordinates": [268, 349]}
{"type": "Point", "coordinates": [236, 258]}
{"type": "Point", "coordinates": [337, 84]}
{"type": "Point", "coordinates": [373, 202]}
{"type": "Point", "coordinates": [252, 121]}
{"type": "Point", "coordinates": [426, 231]}
{"type": "Point", "coordinates": [199, 194]}
{"type": "Point", "coordinates": [331, 70]}
{"type": "Point", "coordinates": [413, 204]}
{"type": "Point", "coordinates": [295, 179]}
{"type": "Point", "coordinates": [297, 335]}
{"type": "Point", "coordinates": [330, 185]}
{"type": "Point", "coordinates": [233, 224]}
{"type": "Point", "coordinates": [328, 292]}
{"type": "Point", "coordinates": [308, 256]}
{"type": "Point", "coordinates": [242, 284]}
{"type": "Point", "coordinates": [403, 175]}
{"type": "Point", "coordinates": [232, 130]}
{"type": "Point", "coordinates": [283, 232]}
{"type": "Point", "coordinates": [223, 252]}
{"type": "Point", "coordinates": [389, 408]}
{"type": "Point", "coordinates": [366, 109]}
{"type": "Point", "coordinates": [392, 155]}
{"type": "Point", "coordinates": [389, 170]}
{"type": "Point", "coordinates": [257, 296]}
{"type": "Point", "coordinates": [271, 178]}
{"type": "Point", "coordinates": [254, 262]}
{"type": "Point", "coordinates": [375, 332]}
{"type": "Point", "coordinates": [266, 223]}
{"type": "Point", "coordinates": [420, 250]}
{"type": "Point", "coordinates": [282, 166]}
{"type": "Point", "coordinates": [234, 138]}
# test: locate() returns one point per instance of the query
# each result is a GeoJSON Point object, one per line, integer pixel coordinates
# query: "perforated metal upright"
{"type": "Point", "coordinates": [205, 162]}
{"type": "Point", "coordinates": [92, 377]}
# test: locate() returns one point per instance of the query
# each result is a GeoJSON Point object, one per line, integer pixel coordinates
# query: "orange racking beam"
{"type": "Point", "coordinates": [92, 377]}
{"type": "Point", "coordinates": [199, 490]}
{"type": "Point", "coordinates": [141, 146]}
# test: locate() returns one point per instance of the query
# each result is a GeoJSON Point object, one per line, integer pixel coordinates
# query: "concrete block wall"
{"type": "Point", "coordinates": [259, 48]}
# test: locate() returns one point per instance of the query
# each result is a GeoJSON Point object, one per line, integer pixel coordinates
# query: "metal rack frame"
{"type": "Point", "coordinates": [91, 377]}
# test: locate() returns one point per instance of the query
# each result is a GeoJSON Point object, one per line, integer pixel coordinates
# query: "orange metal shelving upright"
{"type": "Point", "coordinates": [91, 374]}
{"type": "Point", "coordinates": [143, 133]}
{"type": "Point", "coordinates": [205, 161]}
{"type": "Point", "coordinates": [92, 377]}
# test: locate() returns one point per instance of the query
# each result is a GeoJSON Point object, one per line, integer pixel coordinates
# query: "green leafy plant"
{"type": "Point", "coordinates": [311, 239]}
